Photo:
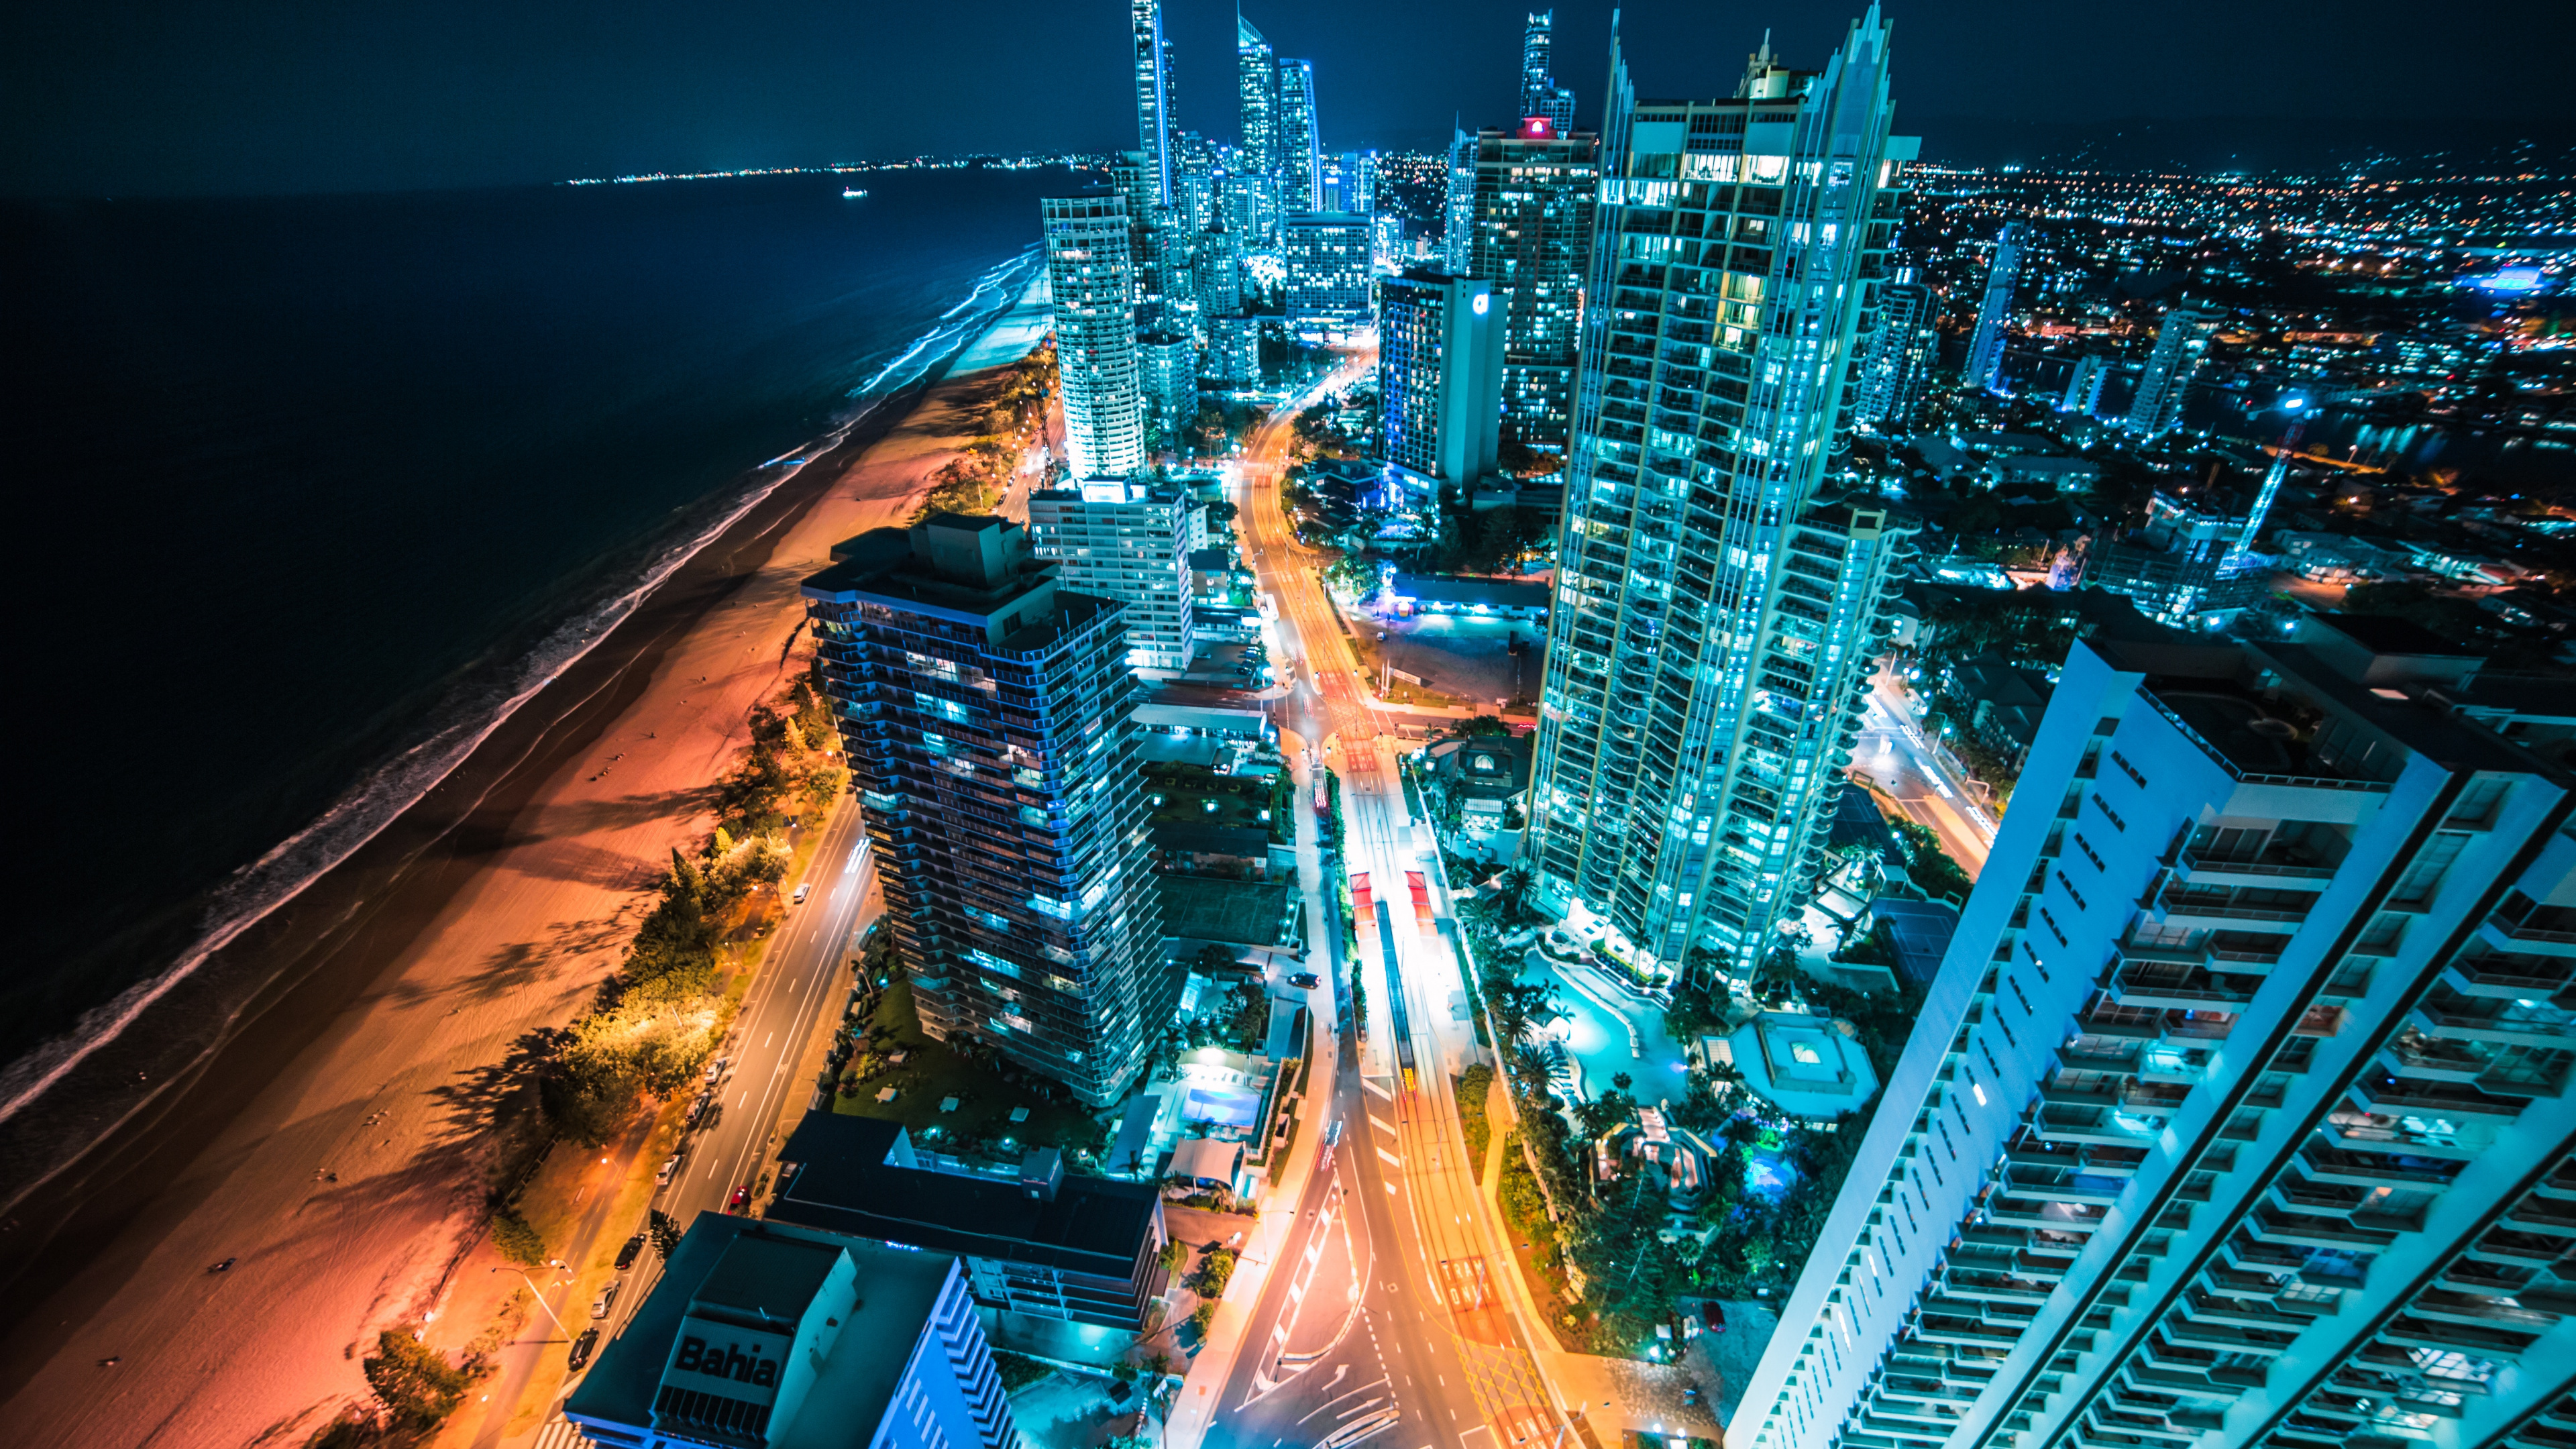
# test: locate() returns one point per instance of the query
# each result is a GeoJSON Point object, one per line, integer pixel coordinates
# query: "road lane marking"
{"type": "Point", "coordinates": [1390, 1157]}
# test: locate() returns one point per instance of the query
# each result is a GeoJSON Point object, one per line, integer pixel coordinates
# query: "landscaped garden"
{"type": "Point", "coordinates": [986, 1089]}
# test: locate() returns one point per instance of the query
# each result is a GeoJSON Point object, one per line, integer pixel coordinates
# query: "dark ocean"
{"type": "Point", "coordinates": [313, 491]}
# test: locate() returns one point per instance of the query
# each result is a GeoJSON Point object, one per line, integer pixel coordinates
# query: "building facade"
{"type": "Point", "coordinates": [1300, 143]}
{"type": "Point", "coordinates": [985, 712]}
{"type": "Point", "coordinates": [1154, 128]}
{"type": "Point", "coordinates": [1329, 276]}
{"type": "Point", "coordinates": [1091, 273]}
{"type": "Point", "coordinates": [1718, 600]}
{"type": "Point", "coordinates": [1541, 96]}
{"type": "Point", "coordinates": [1994, 318]}
{"type": "Point", "coordinates": [762, 1333]}
{"type": "Point", "coordinates": [2182, 339]}
{"type": "Point", "coordinates": [1532, 238]}
{"type": "Point", "coordinates": [2084, 389]}
{"type": "Point", "coordinates": [1129, 542]}
{"type": "Point", "coordinates": [1458, 206]}
{"type": "Point", "coordinates": [1168, 365]}
{"type": "Point", "coordinates": [2237, 1116]}
{"type": "Point", "coordinates": [1256, 77]}
{"type": "Point", "coordinates": [1440, 376]}
{"type": "Point", "coordinates": [1896, 368]}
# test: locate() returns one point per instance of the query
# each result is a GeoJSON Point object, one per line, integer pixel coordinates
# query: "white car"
{"type": "Point", "coordinates": [670, 1169]}
{"type": "Point", "coordinates": [599, 1305]}
{"type": "Point", "coordinates": [802, 892]}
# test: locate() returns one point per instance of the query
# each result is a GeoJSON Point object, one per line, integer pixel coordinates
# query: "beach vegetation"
{"type": "Point", "coordinates": [514, 1239]}
{"type": "Point", "coordinates": [416, 1386]}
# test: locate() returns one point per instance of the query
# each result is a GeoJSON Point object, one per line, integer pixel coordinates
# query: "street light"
{"type": "Point", "coordinates": [541, 1300]}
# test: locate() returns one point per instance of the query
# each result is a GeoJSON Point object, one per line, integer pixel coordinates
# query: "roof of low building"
{"type": "Point", "coordinates": [845, 1183]}
{"type": "Point", "coordinates": [1493, 593]}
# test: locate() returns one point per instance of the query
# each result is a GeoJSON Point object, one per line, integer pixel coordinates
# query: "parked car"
{"type": "Point", "coordinates": [740, 1200]}
{"type": "Point", "coordinates": [802, 892]}
{"type": "Point", "coordinates": [582, 1346]}
{"type": "Point", "coordinates": [1306, 980]}
{"type": "Point", "coordinates": [670, 1169]}
{"type": "Point", "coordinates": [607, 1295]}
{"type": "Point", "coordinates": [627, 1254]}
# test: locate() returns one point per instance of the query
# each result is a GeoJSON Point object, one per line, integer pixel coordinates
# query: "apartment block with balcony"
{"type": "Point", "coordinates": [987, 713]}
{"type": "Point", "coordinates": [2239, 1112]}
{"type": "Point", "coordinates": [1129, 542]}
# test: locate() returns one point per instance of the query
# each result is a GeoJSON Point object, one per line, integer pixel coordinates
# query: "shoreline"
{"type": "Point", "coordinates": [376, 938]}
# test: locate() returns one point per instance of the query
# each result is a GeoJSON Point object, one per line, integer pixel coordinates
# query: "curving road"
{"type": "Point", "coordinates": [1388, 1314]}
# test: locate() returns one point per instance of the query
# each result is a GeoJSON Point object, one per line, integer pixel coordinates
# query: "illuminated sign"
{"type": "Point", "coordinates": [1483, 301]}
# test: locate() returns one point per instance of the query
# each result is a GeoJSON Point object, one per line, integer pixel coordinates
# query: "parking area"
{"type": "Point", "coordinates": [1466, 656]}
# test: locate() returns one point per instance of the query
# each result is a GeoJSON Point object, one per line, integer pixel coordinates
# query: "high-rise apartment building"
{"type": "Point", "coordinates": [1538, 68]}
{"type": "Point", "coordinates": [760, 1333]}
{"type": "Point", "coordinates": [2181, 341]}
{"type": "Point", "coordinates": [1167, 366]}
{"type": "Point", "coordinates": [2084, 389]}
{"type": "Point", "coordinates": [986, 714]}
{"type": "Point", "coordinates": [1994, 317]}
{"type": "Point", "coordinates": [1458, 209]}
{"type": "Point", "coordinates": [1129, 542]}
{"type": "Point", "coordinates": [1440, 375]}
{"type": "Point", "coordinates": [1090, 269]}
{"type": "Point", "coordinates": [1300, 143]}
{"type": "Point", "coordinates": [1257, 111]}
{"type": "Point", "coordinates": [1154, 128]}
{"type": "Point", "coordinates": [1218, 260]}
{"type": "Point", "coordinates": [1328, 273]}
{"type": "Point", "coordinates": [1719, 599]}
{"type": "Point", "coordinates": [1532, 238]}
{"type": "Point", "coordinates": [1898, 358]}
{"type": "Point", "coordinates": [2238, 1114]}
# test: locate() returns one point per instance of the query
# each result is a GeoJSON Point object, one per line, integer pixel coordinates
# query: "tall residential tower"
{"type": "Point", "coordinates": [2238, 1116]}
{"type": "Point", "coordinates": [1719, 597]}
{"type": "Point", "coordinates": [2181, 341]}
{"type": "Point", "coordinates": [1256, 77]}
{"type": "Point", "coordinates": [1154, 129]}
{"type": "Point", "coordinates": [987, 716]}
{"type": "Point", "coordinates": [1300, 148]}
{"type": "Point", "coordinates": [1994, 319]}
{"type": "Point", "coordinates": [1091, 272]}
{"type": "Point", "coordinates": [1531, 236]}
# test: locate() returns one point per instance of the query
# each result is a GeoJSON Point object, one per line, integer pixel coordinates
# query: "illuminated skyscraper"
{"type": "Point", "coordinates": [2084, 389]}
{"type": "Point", "coordinates": [1440, 374]}
{"type": "Point", "coordinates": [1257, 111]}
{"type": "Point", "coordinates": [2180, 343]}
{"type": "Point", "coordinates": [1300, 149]}
{"type": "Point", "coordinates": [1458, 227]}
{"type": "Point", "coordinates": [1898, 355]}
{"type": "Point", "coordinates": [987, 714]}
{"type": "Point", "coordinates": [1129, 542]}
{"type": "Point", "coordinates": [1994, 319]}
{"type": "Point", "coordinates": [2238, 1116]}
{"type": "Point", "coordinates": [1328, 254]}
{"type": "Point", "coordinates": [1090, 270]}
{"type": "Point", "coordinates": [1532, 238]}
{"type": "Point", "coordinates": [1719, 599]}
{"type": "Point", "coordinates": [1540, 94]}
{"type": "Point", "coordinates": [1154, 128]}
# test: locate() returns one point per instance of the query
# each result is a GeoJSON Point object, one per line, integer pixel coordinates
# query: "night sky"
{"type": "Point", "coordinates": [227, 96]}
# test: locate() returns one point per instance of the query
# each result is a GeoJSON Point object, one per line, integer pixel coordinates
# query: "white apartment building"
{"type": "Point", "coordinates": [2238, 1113]}
{"type": "Point", "coordinates": [1091, 278]}
{"type": "Point", "coordinates": [1130, 542]}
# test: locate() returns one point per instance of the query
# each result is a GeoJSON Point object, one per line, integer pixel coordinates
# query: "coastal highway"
{"type": "Point", "coordinates": [1382, 1317]}
{"type": "Point", "coordinates": [804, 978]}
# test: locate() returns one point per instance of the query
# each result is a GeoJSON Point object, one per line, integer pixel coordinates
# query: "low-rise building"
{"type": "Point", "coordinates": [1038, 1244]}
{"type": "Point", "coordinates": [768, 1334]}
{"type": "Point", "coordinates": [1422, 593]}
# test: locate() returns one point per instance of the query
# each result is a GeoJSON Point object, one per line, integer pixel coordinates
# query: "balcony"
{"type": "Point", "coordinates": [2372, 1169]}
{"type": "Point", "coordinates": [2148, 981]}
{"type": "Point", "coordinates": [2433, 1101]}
{"type": "Point", "coordinates": [2271, 869]}
{"type": "Point", "coordinates": [2306, 1230]}
{"type": "Point", "coordinates": [2503, 933]}
{"type": "Point", "coordinates": [2509, 1023]}
{"type": "Point", "coordinates": [2508, 977]}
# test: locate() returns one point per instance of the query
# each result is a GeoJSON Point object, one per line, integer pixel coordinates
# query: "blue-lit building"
{"type": "Point", "coordinates": [1440, 376]}
{"type": "Point", "coordinates": [1994, 318]}
{"type": "Point", "coordinates": [761, 1334]}
{"type": "Point", "coordinates": [1328, 254]}
{"type": "Point", "coordinates": [986, 711]}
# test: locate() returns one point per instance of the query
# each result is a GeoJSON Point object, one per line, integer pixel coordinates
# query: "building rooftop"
{"type": "Point", "coordinates": [1467, 593]}
{"type": "Point", "coordinates": [1804, 1064]}
{"type": "Point", "coordinates": [849, 1178]}
{"type": "Point", "coordinates": [755, 1282]}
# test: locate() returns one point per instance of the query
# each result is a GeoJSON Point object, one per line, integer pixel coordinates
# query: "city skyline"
{"type": "Point", "coordinates": [180, 104]}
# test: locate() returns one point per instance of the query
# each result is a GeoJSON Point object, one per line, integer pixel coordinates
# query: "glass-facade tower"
{"type": "Point", "coordinates": [1091, 272]}
{"type": "Point", "coordinates": [987, 716]}
{"type": "Point", "coordinates": [1719, 597]}
{"type": "Point", "coordinates": [1531, 236]}
{"type": "Point", "coordinates": [1300, 147]}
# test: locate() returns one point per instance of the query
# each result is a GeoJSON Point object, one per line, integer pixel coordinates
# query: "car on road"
{"type": "Point", "coordinates": [607, 1295]}
{"type": "Point", "coordinates": [802, 892]}
{"type": "Point", "coordinates": [581, 1348]}
{"type": "Point", "coordinates": [627, 1254]}
{"type": "Point", "coordinates": [740, 1200]}
{"type": "Point", "coordinates": [670, 1169]}
{"type": "Point", "coordinates": [698, 1108]}
{"type": "Point", "coordinates": [1305, 979]}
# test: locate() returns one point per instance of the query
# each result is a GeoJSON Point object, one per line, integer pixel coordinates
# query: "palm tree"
{"type": "Point", "coordinates": [1512, 890]}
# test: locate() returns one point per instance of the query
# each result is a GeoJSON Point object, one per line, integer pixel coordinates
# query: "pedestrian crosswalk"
{"type": "Point", "coordinates": [562, 1433]}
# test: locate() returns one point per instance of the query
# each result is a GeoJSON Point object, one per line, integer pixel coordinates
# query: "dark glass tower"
{"type": "Point", "coordinates": [986, 713]}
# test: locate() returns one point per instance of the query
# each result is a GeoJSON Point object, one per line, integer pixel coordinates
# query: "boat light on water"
{"type": "Point", "coordinates": [853, 191]}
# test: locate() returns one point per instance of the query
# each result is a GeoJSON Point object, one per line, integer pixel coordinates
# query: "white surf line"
{"type": "Point", "coordinates": [596, 629]}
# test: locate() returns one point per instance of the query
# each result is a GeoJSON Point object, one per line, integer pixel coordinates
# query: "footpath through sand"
{"type": "Point", "coordinates": [343, 1188]}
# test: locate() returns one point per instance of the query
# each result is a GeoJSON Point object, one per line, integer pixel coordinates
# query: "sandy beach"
{"type": "Point", "coordinates": [405, 980]}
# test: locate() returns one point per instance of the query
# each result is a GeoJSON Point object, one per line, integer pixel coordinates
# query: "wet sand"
{"type": "Point", "coordinates": [405, 983]}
